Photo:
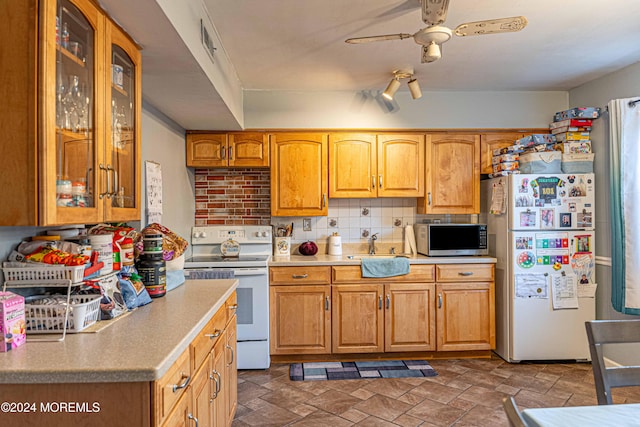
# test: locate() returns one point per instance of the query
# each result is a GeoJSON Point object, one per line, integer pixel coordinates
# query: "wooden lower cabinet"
{"type": "Point", "coordinates": [450, 308]}
{"type": "Point", "coordinates": [357, 324]}
{"type": "Point", "coordinates": [231, 371]}
{"type": "Point", "coordinates": [300, 319]}
{"type": "Point", "coordinates": [377, 318]}
{"type": "Point", "coordinates": [466, 307]}
{"type": "Point", "coordinates": [410, 320]}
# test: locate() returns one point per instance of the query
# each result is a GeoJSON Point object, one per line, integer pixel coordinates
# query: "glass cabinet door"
{"type": "Point", "coordinates": [75, 109]}
{"type": "Point", "coordinates": [123, 145]}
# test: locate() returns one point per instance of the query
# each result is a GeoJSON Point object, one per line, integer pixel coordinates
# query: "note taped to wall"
{"type": "Point", "coordinates": [153, 189]}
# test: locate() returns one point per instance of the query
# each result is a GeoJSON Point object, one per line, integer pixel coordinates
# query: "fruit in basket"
{"type": "Point", "coordinates": [308, 248]}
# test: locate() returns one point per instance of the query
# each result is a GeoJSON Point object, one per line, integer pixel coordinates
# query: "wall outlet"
{"type": "Point", "coordinates": [306, 224]}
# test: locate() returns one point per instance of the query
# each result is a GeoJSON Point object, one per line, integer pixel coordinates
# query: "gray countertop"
{"type": "Point", "coordinates": [138, 347]}
{"type": "Point", "coordinates": [300, 260]}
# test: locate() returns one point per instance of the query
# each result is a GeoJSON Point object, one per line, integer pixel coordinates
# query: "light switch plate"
{"type": "Point", "coordinates": [306, 224]}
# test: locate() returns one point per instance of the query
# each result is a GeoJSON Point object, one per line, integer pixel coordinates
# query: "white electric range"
{"type": "Point", "coordinates": [250, 268]}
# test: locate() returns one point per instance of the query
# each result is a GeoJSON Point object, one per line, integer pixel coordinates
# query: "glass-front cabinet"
{"type": "Point", "coordinates": [74, 124]}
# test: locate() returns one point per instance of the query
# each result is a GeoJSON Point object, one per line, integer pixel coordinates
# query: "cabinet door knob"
{"type": "Point", "coordinates": [373, 182]}
{"type": "Point", "coordinates": [233, 355]}
{"type": "Point", "coordinates": [380, 302]}
{"type": "Point", "coordinates": [429, 198]}
{"type": "Point", "coordinates": [380, 180]}
{"type": "Point", "coordinates": [230, 153]}
{"type": "Point", "coordinates": [223, 153]}
{"type": "Point", "coordinates": [388, 301]}
{"type": "Point", "coordinates": [439, 300]}
{"type": "Point", "coordinates": [326, 303]}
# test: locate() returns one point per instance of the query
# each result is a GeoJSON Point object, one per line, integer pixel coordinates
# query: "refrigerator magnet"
{"type": "Point", "coordinates": [547, 218]}
{"type": "Point", "coordinates": [565, 220]}
{"type": "Point", "coordinates": [527, 219]}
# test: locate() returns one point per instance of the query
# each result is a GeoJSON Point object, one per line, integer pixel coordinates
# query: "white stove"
{"type": "Point", "coordinates": [250, 268]}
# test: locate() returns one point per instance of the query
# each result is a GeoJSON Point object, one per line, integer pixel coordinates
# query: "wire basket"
{"type": "Point", "coordinates": [49, 272]}
{"type": "Point", "coordinates": [45, 314]}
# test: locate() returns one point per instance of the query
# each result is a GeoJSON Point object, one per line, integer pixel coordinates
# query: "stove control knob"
{"type": "Point", "coordinates": [199, 234]}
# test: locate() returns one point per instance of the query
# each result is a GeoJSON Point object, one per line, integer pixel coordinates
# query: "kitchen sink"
{"type": "Point", "coordinates": [370, 256]}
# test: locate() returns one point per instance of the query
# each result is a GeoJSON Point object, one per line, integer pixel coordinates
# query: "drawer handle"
{"type": "Point", "coordinates": [191, 417]}
{"type": "Point", "coordinates": [233, 307]}
{"type": "Point", "coordinates": [233, 355]}
{"type": "Point", "coordinates": [466, 273]}
{"type": "Point", "coordinates": [215, 334]}
{"type": "Point", "coordinates": [185, 382]}
{"type": "Point", "coordinates": [439, 300]}
{"type": "Point", "coordinates": [300, 276]}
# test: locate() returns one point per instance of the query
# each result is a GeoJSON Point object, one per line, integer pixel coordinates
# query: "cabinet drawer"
{"type": "Point", "coordinates": [171, 386]}
{"type": "Point", "coordinates": [464, 272]}
{"type": "Point", "coordinates": [353, 273]}
{"type": "Point", "coordinates": [206, 339]}
{"type": "Point", "coordinates": [299, 275]}
{"type": "Point", "coordinates": [231, 307]}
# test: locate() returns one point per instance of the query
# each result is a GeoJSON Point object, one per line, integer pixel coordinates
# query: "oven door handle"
{"type": "Point", "coordinates": [252, 272]}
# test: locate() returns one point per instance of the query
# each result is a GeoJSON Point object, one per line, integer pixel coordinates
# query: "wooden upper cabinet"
{"type": "Point", "coordinates": [249, 149]}
{"type": "Point", "coordinates": [299, 174]}
{"type": "Point", "coordinates": [452, 185]}
{"type": "Point", "coordinates": [73, 155]}
{"type": "Point", "coordinates": [242, 149]}
{"type": "Point", "coordinates": [366, 165]}
{"type": "Point", "coordinates": [493, 141]}
{"type": "Point", "coordinates": [207, 150]}
{"type": "Point", "coordinates": [401, 165]}
{"type": "Point", "coordinates": [353, 165]}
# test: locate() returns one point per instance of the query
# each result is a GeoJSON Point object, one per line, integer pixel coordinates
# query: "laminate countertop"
{"type": "Point", "coordinates": [321, 259]}
{"type": "Point", "coordinates": [138, 347]}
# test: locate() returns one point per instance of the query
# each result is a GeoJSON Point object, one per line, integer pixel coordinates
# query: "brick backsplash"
{"type": "Point", "coordinates": [232, 196]}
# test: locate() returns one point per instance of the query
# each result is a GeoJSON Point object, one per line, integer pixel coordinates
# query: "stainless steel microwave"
{"type": "Point", "coordinates": [451, 239]}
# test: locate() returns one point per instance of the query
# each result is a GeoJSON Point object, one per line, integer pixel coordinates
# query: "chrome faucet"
{"type": "Point", "coordinates": [372, 244]}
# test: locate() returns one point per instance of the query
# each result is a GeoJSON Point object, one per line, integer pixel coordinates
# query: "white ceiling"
{"type": "Point", "coordinates": [298, 45]}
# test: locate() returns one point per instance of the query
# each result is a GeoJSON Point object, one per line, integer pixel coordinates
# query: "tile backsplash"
{"type": "Point", "coordinates": [242, 196]}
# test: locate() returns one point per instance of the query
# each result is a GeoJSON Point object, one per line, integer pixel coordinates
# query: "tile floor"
{"type": "Point", "coordinates": [466, 392]}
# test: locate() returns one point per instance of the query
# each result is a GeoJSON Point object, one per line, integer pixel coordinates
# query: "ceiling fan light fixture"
{"type": "Point", "coordinates": [432, 52]}
{"type": "Point", "coordinates": [414, 88]}
{"type": "Point", "coordinates": [391, 89]}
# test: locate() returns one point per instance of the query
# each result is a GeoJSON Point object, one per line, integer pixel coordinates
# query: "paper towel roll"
{"type": "Point", "coordinates": [409, 241]}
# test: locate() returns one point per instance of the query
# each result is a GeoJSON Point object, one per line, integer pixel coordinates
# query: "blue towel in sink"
{"type": "Point", "coordinates": [384, 267]}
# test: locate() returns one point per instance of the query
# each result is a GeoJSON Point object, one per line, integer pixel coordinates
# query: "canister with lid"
{"type": "Point", "coordinates": [152, 269]}
{"type": "Point", "coordinates": [152, 242]}
{"type": "Point", "coordinates": [103, 244]}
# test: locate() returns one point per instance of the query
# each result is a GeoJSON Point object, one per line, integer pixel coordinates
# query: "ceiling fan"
{"type": "Point", "coordinates": [434, 13]}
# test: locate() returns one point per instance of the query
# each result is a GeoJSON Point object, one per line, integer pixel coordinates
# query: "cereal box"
{"type": "Point", "coordinates": [12, 323]}
{"type": "Point", "coordinates": [536, 138]}
{"type": "Point", "coordinates": [579, 113]}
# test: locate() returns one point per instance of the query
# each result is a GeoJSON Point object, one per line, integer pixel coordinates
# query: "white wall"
{"type": "Point", "coordinates": [435, 110]}
{"type": "Point", "coordinates": [621, 84]}
{"type": "Point", "coordinates": [163, 142]}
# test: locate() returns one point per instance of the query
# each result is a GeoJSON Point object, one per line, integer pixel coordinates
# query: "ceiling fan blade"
{"type": "Point", "coordinates": [491, 26]}
{"type": "Point", "coordinates": [434, 12]}
{"type": "Point", "coordinates": [405, 7]}
{"type": "Point", "coordinates": [357, 40]}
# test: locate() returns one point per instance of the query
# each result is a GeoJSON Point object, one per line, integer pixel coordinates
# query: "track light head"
{"type": "Point", "coordinates": [414, 88]}
{"type": "Point", "coordinates": [392, 88]}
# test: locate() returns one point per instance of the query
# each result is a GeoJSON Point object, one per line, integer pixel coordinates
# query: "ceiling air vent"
{"type": "Point", "coordinates": [207, 41]}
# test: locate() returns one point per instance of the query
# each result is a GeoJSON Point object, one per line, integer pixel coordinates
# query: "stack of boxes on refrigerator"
{"type": "Point", "coordinates": [565, 149]}
{"type": "Point", "coordinates": [572, 129]}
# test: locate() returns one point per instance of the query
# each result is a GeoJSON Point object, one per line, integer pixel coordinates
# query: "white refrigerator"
{"type": "Point", "coordinates": [541, 230]}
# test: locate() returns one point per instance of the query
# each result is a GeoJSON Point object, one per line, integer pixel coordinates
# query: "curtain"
{"type": "Point", "coordinates": [624, 150]}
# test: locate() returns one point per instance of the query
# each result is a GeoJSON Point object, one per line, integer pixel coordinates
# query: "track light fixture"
{"type": "Point", "coordinates": [394, 84]}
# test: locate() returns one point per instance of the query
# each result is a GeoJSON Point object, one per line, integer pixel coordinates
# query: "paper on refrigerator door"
{"type": "Point", "coordinates": [564, 291]}
{"type": "Point", "coordinates": [498, 199]}
{"type": "Point", "coordinates": [532, 286]}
